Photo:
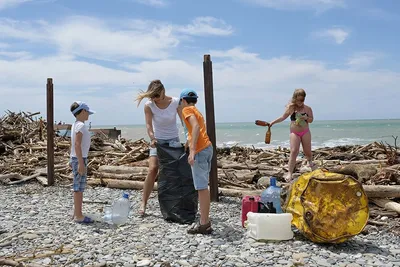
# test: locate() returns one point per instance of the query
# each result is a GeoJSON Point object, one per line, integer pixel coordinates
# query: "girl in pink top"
{"type": "Point", "coordinates": [300, 116]}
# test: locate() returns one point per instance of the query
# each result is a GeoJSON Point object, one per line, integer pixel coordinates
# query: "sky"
{"type": "Point", "coordinates": [344, 53]}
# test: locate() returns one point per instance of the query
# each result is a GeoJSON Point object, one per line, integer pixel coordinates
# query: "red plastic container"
{"type": "Point", "coordinates": [249, 203]}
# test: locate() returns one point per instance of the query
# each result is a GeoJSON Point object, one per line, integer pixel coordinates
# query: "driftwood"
{"type": "Point", "coordinates": [379, 191]}
{"type": "Point", "coordinates": [124, 163]}
{"type": "Point", "coordinates": [8, 262]}
{"type": "Point", "coordinates": [387, 204]}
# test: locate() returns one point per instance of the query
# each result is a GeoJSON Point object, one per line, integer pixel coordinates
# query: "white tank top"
{"type": "Point", "coordinates": [164, 120]}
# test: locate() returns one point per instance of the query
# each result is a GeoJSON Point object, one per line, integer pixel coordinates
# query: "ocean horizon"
{"type": "Point", "coordinates": [325, 133]}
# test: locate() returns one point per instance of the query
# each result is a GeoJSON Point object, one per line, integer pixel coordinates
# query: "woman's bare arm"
{"type": "Point", "coordinates": [149, 122]}
{"type": "Point", "coordinates": [282, 118]}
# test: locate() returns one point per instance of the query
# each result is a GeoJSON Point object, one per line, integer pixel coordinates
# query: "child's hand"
{"type": "Point", "coordinates": [186, 145]}
{"type": "Point", "coordinates": [81, 169]}
{"type": "Point", "coordinates": [191, 158]}
{"type": "Point", "coordinates": [153, 143]}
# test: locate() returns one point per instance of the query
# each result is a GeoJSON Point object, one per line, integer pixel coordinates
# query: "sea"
{"type": "Point", "coordinates": [327, 133]}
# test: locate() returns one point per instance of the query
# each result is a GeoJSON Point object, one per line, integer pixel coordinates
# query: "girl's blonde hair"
{"type": "Point", "coordinates": [296, 93]}
{"type": "Point", "coordinates": [155, 88]}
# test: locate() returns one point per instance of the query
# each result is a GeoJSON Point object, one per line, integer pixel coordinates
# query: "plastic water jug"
{"type": "Point", "coordinates": [272, 195]}
{"type": "Point", "coordinates": [119, 212]}
{"type": "Point", "coordinates": [269, 226]}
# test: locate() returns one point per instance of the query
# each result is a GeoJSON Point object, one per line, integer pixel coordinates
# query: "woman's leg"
{"type": "Point", "coordinates": [306, 144]}
{"type": "Point", "coordinates": [149, 183]}
{"type": "Point", "coordinates": [294, 152]}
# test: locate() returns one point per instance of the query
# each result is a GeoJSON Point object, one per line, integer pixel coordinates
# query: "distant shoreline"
{"type": "Point", "coordinates": [249, 122]}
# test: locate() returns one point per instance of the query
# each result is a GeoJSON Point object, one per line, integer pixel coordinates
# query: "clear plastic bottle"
{"type": "Point", "coordinates": [120, 210]}
{"type": "Point", "coordinates": [272, 195]}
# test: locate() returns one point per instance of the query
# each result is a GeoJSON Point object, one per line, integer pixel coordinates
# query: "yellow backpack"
{"type": "Point", "coordinates": [327, 207]}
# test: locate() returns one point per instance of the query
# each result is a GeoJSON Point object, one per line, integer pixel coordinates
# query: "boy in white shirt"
{"type": "Point", "coordinates": [80, 144]}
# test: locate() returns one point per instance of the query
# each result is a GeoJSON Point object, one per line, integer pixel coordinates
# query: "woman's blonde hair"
{"type": "Point", "coordinates": [155, 88]}
{"type": "Point", "coordinates": [296, 93]}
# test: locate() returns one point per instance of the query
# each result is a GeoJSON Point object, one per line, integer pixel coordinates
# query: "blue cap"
{"type": "Point", "coordinates": [126, 195]}
{"type": "Point", "coordinates": [188, 93]}
{"type": "Point", "coordinates": [83, 105]}
{"type": "Point", "coordinates": [272, 181]}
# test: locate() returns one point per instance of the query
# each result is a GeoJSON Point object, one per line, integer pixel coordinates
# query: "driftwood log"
{"type": "Point", "coordinates": [241, 170]}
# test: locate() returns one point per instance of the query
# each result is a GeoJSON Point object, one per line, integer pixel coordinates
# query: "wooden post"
{"type": "Point", "coordinates": [50, 132]}
{"type": "Point", "coordinates": [210, 121]}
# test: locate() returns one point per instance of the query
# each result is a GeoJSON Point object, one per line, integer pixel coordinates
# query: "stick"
{"type": "Point", "coordinates": [25, 179]}
{"type": "Point", "coordinates": [376, 223]}
{"type": "Point", "coordinates": [387, 204]}
{"type": "Point", "coordinates": [379, 191]}
{"type": "Point", "coordinates": [11, 237]}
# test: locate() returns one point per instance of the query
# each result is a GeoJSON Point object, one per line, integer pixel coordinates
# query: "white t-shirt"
{"type": "Point", "coordinates": [77, 127]}
{"type": "Point", "coordinates": [164, 120]}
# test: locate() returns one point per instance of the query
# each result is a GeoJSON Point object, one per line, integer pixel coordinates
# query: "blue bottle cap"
{"type": "Point", "coordinates": [126, 195]}
{"type": "Point", "coordinates": [272, 181]}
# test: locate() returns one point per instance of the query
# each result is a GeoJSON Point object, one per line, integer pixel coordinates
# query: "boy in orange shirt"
{"type": "Point", "coordinates": [200, 155]}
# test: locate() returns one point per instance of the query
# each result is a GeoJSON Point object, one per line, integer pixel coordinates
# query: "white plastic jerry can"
{"type": "Point", "coordinates": [269, 226]}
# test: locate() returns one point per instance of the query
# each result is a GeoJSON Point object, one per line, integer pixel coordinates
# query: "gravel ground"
{"type": "Point", "coordinates": [44, 217]}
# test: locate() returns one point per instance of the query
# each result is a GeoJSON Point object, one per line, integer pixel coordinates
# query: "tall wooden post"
{"type": "Point", "coordinates": [50, 132]}
{"type": "Point", "coordinates": [210, 120]}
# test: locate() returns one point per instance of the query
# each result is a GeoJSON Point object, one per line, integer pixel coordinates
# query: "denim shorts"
{"type": "Point", "coordinates": [153, 150]}
{"type": "Point", "coordinates": [79, 180]}
{"type": "Point", "coordinates": [202, 167]}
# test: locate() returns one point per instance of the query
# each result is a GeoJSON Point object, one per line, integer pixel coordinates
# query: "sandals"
{"type": "Point", "coordinates": [85, 220]}
{"type": "Point", "coordinates": [204, 229]}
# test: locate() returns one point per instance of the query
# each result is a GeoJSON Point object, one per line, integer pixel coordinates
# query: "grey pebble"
{"type": "Point", "coordinates": [151, 241]}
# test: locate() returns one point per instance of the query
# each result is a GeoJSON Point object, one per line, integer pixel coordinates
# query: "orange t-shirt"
{"type": "Point", "coordinates": [202, 141]}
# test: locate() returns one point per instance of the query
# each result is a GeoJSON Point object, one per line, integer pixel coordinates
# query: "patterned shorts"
{"type": "Point", "coordinates": [79, 180]}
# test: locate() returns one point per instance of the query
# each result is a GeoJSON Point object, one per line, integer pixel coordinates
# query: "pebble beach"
{"type": "Point", "coordinates": [37, 219]}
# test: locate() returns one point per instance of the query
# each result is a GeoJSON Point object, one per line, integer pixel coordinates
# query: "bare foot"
{"type": "Point", "coordinates": [142, 210]}
{"type": "Point", "coordinates": [312, 165]}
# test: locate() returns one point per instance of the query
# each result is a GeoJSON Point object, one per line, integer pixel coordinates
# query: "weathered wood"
{"type": "Point", "coordinates": [239, 192]}
{"type": "Point", "coordinates": [123, 169]}
{"type": "Point", "coordinates": [50, 132]}
{"type": "Point", "coordinates": [33, 176]}
{"type": "Point", "coordinates": [121, 176]}
{"type": "Point", "coordinates": [210, 121]}
{"type": "Point", "coordinates": [379, 191]}
{"type": "Point", "coordinates": [387, 204]}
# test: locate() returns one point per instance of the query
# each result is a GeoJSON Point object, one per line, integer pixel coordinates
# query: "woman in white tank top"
{"type": "Point", "coordinates": [160, 114]}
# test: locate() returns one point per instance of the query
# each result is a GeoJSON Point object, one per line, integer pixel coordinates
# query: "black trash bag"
{"type": "Point", "coordinates": [176, 194]}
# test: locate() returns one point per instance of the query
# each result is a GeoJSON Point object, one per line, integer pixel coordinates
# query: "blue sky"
{"type": "Point", "coordinates": [343, 53]}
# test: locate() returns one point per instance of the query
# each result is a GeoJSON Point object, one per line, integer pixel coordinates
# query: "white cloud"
{"type": "Point", "coordinates": [363, 59]}
{"type": "Point", "coordinates": [203, 26]}
{"type": "Point", "coordinates": [11, 3]}
{"type": "Point", "coordinates": [155, 3]}
{"type": "Point", "coordinates": [318, 5]}
{"type": "Point", "coordinates": [4, 45]}
{"type": "Point", "coordinates": [242, 81]}
{"type": "Point", "coordinates": [339, 35]}
{"type": "Point", "coordinates": [18, 55]}
{"type": "Point", "coordinates": [112, 40]}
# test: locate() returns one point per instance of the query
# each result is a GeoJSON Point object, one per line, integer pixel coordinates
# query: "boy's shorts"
{"type": "Point", "coordinates": [153, 150]}
{"type": "Point", "coordinates": [202, 167]}
{"type": "Point", "coordinates": [79, 180]}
